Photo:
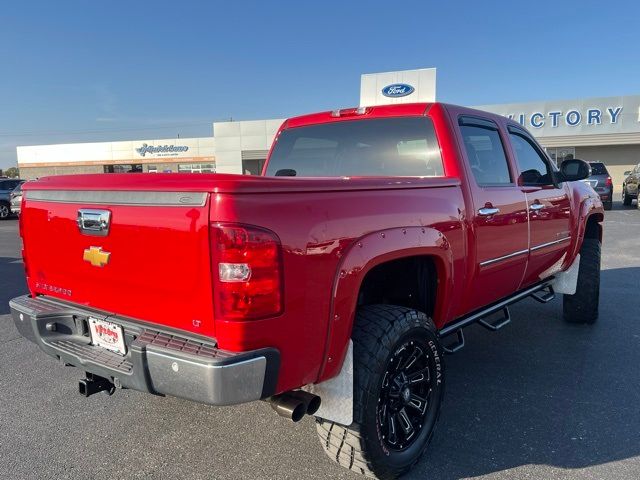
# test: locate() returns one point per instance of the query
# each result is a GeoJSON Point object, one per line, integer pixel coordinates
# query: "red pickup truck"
{"type": "Point", "coordinates": [330, 286]}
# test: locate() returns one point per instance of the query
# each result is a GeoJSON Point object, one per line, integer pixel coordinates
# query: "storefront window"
{"type": "Point", "coordinates": [560, 154]}
{"type": "Point", "coordinates": [125, 168]}
{"type": "Point", "coordinates": [252, 167]}
{"type": "Point", "coordinates": [197, 168]}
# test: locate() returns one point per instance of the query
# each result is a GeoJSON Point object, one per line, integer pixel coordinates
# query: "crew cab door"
{"type": "Point", "coordinates": [499, 216]}
{"type": "Point", "coordinates": [548, 206]}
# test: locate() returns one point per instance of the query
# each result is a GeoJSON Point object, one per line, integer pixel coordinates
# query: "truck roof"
{"type": "Point", "coordinates": [381, 111]}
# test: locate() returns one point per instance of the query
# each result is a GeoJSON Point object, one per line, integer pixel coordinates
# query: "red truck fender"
{"type": "Point", "coordinates": [366, 253]}
{"type": "Point", "coordinates": [591, 213]}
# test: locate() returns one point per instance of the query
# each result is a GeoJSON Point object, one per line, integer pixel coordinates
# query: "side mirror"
{"type": "Point", "coordinates": [574, 169]}
{"type": "Point", "coordinates": [628, 172]}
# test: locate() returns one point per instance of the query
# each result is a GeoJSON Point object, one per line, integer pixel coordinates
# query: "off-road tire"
{"type": "Point", "coordinates": [380, 332]}
{"type": "Point", "coordinates": [626, 199]}
{"type": "Point", "coordinates": [582, 307]}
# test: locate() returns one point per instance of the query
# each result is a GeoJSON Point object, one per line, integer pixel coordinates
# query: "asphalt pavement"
{"type": "Point", "coordinates": [539, 399]}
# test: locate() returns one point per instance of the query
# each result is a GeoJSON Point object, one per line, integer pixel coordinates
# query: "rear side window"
{"type": "Point", "coordinates": [9, 184]}
{"type": "Point", "coordinates": [485, 153]}
{"type": "Point", "coordinates": [403, 146]}
{"type": "Point", "coordinates": [534, 170]}
{"type": "Point", "coordinates": [598, 168]}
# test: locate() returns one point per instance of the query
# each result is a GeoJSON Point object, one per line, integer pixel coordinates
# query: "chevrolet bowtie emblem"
{"type": "Point", "coordinates": [96, 257]}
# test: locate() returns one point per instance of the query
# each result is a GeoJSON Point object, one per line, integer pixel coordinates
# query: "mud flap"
{"type": "Point", "coordinates": [337, 393]}
{"type": "Point", "coordinates": [566, 282]}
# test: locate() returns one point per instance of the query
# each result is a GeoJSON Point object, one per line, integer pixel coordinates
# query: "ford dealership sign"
{"type": "Point", "coordinates": [397, 90]}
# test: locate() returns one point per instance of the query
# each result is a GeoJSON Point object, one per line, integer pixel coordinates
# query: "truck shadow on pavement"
{"type": "Point", "coordinates": [12, 281]}
{"type": "Point", "coordinates": [543, 391]}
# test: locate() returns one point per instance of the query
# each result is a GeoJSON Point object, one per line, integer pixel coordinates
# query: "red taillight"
{"type": "Point", "coordinates": [247, 270]}
{"type": "Point", "coordinates": [608, 182]}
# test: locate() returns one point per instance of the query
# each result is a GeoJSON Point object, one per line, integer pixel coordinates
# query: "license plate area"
{"type": "Point", "coordinates": [107, 335]}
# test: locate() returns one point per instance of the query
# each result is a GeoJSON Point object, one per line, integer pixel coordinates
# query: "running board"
{"type": "Point", "coordinates": [544, 297]}
{"type": "Point", "coordinates": [497, 325]}
{"type": "Point", "coordinates": [481, 316]}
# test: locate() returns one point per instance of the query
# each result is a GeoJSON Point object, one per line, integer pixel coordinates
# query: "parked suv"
{"type": "Point", "coordinates": [601, 182]}
{"type": "Point", "coordinates": [6, 187]}
{"type": "Point", "coordinates": [630, 186]}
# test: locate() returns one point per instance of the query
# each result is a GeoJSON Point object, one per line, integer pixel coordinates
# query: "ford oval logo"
{"type": "Point", "coordinates": [397, 90]}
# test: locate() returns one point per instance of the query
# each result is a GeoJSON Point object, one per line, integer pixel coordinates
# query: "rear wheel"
{"type": "Point", "coordinates": [398, 390]}
{"type": "Point", "coordinates": [608, 205]}
{"type": "Point", "coordinates": [582, 307]}
{"type": "Point", "coordinates": [4, 210]}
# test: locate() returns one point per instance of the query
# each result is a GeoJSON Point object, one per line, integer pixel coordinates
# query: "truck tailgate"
{"type": "Point", "coordinates": [151, 263]}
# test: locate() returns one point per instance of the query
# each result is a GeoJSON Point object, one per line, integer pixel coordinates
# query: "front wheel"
{"type": "Point", "coordinates": [626, 199]}
{"type": "Point", "coordinates": [398, 390]}
{"type": "Point", "coordinates": [582, 307]}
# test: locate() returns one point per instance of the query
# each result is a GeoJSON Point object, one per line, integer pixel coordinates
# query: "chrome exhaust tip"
{"type": "Point", "coordinates": [288, 407]}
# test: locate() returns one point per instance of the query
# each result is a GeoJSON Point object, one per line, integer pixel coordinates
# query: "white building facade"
{"type": "Point", "coordinates": [152, 156]}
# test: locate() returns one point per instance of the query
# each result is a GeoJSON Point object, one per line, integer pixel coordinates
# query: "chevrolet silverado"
{"type": "Point", "coordinates": [330, 286]}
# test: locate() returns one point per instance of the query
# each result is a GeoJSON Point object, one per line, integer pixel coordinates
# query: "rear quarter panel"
{"type": "Point", "coordinates": [324, 268]}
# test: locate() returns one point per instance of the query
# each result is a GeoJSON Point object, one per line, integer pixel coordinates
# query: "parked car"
{"type": "Point", "coordinates": [333, 297]}
{"type": "Point", "coordinates": [601, 182]}
{"type": "Point", "coordinates": [16, 199]}
{"type": "Point", "coordinates": [630, 186]}
{"type": "Point", "coordinates": [7, 186]}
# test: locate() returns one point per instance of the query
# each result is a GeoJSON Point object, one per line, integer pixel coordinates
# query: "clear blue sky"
{"type": "Point", "coordinates": [79, 71]}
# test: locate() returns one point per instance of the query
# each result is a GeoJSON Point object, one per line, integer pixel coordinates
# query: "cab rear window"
{"type": "Point", "coordinates": [404, 146]}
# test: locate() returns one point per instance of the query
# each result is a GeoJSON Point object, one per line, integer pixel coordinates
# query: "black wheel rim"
{"type": "Point", "coordinates": [405, 395]}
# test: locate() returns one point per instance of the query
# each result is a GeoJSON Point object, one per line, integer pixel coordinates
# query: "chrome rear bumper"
{"type": "Point", "coordinates": [157, 361]}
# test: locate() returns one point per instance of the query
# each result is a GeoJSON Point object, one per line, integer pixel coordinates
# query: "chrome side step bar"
{"type": "Point", "coordinates": [481, 316]}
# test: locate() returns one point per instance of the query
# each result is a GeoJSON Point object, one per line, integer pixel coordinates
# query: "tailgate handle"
{"type": "Point", "coordinates": [94, 222]}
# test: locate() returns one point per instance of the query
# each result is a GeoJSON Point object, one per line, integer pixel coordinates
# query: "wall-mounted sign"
{"type": "Point", "coordinates": [580, 116]}
{"type": "Point", "coordinates": [570, 118]}
{"type": "Point", "coordinates": [397, 90]}
{"type": "Point", "coordinates": [161, 150]}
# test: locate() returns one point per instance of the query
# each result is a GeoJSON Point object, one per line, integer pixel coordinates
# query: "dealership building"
{"type": "Point", "coordinates": [593, 129]}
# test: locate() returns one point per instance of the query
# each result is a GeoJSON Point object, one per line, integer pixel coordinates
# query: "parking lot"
{"type": "Point", "coordinates": [540, 399]}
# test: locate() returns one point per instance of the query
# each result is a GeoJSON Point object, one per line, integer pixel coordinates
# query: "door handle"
{"type": "Point", "coordinates": [486, 211]}
{"type": "Point", "coordinates": [536, 206]}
